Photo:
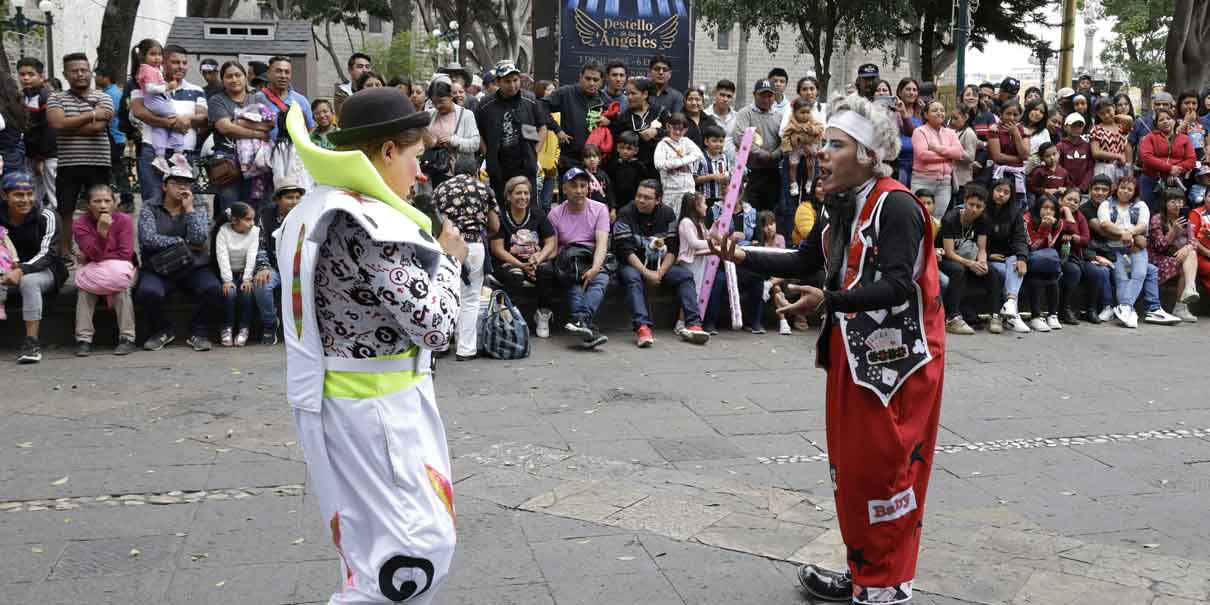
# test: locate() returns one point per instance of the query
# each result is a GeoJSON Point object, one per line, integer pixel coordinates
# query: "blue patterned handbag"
{"type": "Point", "coordinates": [503, 333]}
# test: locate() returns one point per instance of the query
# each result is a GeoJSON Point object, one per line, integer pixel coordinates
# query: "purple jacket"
{"type": "Point", "coordinates": [119, 245]}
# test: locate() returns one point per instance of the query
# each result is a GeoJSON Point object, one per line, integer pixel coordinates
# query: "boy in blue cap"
{"type": "Point", "coordinates": [34, 232]}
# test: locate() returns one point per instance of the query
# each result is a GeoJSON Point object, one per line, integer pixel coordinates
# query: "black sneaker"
{"type": "Point", "coordinates": [125, 347]}
{"type": "Point", "coordinates": [1067, 317]}
{"type": "Point", "coordinates": [269, 339]}
{"type": "Point", "coordinates": [158, 341]}
{"type": "Point", "coordinates": [83, 349]}
{"type": "Point", "coordinates": [593, 339]}
{"type": "Point", "coordinates": [579, 327]}
{"type": "Point", "coordinates": [826, 585]}
{"type": "Point", "coordinates": [30, 351]}
{"type": "Point", "coordinates": [199, 343]}
{"type": "Point", "coordinates": [1091, 317]}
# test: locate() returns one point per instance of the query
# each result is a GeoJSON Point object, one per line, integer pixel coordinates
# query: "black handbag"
{"type": "Point", "coordinates": [435, 161]}
{"type": "Point", "coordinates": [171, 261]}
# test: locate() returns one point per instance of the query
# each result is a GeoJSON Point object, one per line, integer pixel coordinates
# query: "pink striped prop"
{"type": "Point", "coordinates": [723, 224]}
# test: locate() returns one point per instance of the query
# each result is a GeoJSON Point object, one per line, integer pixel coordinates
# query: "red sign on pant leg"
{"type": "Point", "coordinates": [899, 505]}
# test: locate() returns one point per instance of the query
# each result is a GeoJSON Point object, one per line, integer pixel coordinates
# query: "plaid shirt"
{"type": "Point", "coordinates": [713, 190]}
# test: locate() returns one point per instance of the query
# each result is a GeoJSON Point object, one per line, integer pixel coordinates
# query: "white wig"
{"type": "Point", "coordinates": [879, 140]}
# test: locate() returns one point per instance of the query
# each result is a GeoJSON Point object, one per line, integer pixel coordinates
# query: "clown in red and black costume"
{"type": "Point", "coordinates": [883, 346]}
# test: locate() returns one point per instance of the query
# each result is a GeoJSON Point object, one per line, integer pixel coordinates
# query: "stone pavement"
{"type": "Point", "coordinates": [1073, 468]}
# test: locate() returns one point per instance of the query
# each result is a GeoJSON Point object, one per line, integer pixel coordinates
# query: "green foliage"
{"type": "Point", "coordinates": [341, 12]}
{"type": "Point", "coordinates": [398, 58]}
{"type": "Point", "coordinates": [1139, 38]}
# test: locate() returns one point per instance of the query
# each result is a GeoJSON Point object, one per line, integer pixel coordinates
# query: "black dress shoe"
{"type": "Point", "coordinates": [826, 585]}
{"type": "Point", "coordinates": [1090, 316]}
{"type": "Point", "coordinates": [1067, 317]}
{"type": "Point", "coordinates": [465, 357]}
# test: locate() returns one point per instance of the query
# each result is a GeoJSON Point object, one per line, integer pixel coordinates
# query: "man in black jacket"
{"type": "Point", "coordinates": [645, 244]}
{"type": "Point", "coordinates": [38, 271]}
{"type": "Point", "coordinates": [510, 125]}
{"type": "Point", "coordinates": [266, 279]}
{"type": "Point", "coordinates": [576, 105]}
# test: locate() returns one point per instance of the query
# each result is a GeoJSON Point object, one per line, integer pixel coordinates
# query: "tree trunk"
{"type": "Point", "coordinates": [1188, 46]}
{"type": "Point", "coordinates": [328, 47]}
{"type": "Point", "coordinates": [402, 12]}
{"type": "Point", "coordinates": [117, 26]}
{"type": "Point", "coordinates": [741, 71]}
{"type": "Point", "coordinates": [211, 8]}
{"type": "Point", "coordinates": [944, 59]}
{"type": "Point", "coordinates": [928, 46]}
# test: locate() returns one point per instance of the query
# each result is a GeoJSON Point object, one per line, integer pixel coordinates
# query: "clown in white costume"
{"type": "Point", "coordinates": [368, 292]}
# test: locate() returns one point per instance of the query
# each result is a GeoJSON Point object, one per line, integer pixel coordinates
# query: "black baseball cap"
{"type": "Point", "coordinates": [1010, 85]}
{"type": "Point", "coordinates": [868, 70]}
{"type": "Point", "coordinates": [763, 85]}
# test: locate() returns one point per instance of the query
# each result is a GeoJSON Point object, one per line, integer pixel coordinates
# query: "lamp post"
{"type": "Point", "coordinates": [20, 23]}
{"type": "Point", "coordinates": [446, 41]}
{"type": "Point", "coordinates": [1044, 53]}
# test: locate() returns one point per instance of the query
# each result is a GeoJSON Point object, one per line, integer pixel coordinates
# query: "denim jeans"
{"type": "Point", "coordinates": [244, 300]}
{"type": "Point", "coordinates": [549, 185]}
{"type": "Point", "coordinates": [1129, 286]}
{"type": "Point", "coordinates": [583, 302]}
{"type": "Point", "coordinates": [679, 277]}
{"type": "Point", "coordinates": [149, 177]}
{"type": "Point", "coordinates": [1044, 270]}
{"type": "Point", "coordinates": [1096, 277]}
{"type": "Point", "coordinates": [1007, 271]}
{"type": "Point", "coordinates": [201, 282]}
{"type": "Point", "coordinates": [266, 302]}
{"type": "Point", "coordinates": [1147, 192]}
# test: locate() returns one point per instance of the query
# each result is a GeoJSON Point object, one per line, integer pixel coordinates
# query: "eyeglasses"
{"type": "Point", "coordinates": [659, 69]}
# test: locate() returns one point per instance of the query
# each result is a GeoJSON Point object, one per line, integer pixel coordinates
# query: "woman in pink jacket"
{"type": "Point", "coordinates": [935, 148]}
{"type": "Point", "coordinates": [1164, 153]}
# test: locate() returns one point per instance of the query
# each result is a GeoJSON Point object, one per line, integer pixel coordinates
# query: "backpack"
{"type": "Point", "coordinates": [503, 333]}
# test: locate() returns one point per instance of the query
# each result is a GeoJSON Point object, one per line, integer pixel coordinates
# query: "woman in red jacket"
{"type": "Point", "coordinates": [1164, 153]}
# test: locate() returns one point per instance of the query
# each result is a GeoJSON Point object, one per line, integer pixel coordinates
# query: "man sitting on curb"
{"type": "Point", "coordinates": [582, 226]}
{"type": "Point", "coordinates": [645, 243]}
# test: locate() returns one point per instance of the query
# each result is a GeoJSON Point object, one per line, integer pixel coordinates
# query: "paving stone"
{"type": "Point", "coordinates": [1050, 588]}
{"type": "Point", "coordinates": [670, 517]}
{"type": "Point", "coordinates": [101, 590]}
{"type": "Point", "coordinates": [696, 448]}
{"type": "Point", "coordinates": [573, 559]}
{"type": "Point", "coordinates": [272, 583]}
{"type": "Point", "coordinates": [118, 556]}
{"type": "Point", "coordinates": [615, 590]}
{"type": "Point", "coordinates": [758, 535]}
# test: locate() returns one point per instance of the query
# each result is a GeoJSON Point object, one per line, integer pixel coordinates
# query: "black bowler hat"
{"type": "Point", "coordinates": [374, 113]}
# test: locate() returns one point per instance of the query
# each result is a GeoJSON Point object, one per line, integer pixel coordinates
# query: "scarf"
{"type": "Point", "coordinates": [841, 209]}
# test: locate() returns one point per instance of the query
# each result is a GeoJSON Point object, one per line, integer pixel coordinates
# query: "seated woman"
{"type": "Point", "coordinates": [37, 270]}
{"type": "Point", "coordinates": [525, 245]}
{"type": "Point", "coordinates": [963, 237]}
{"type": "Point", "coordinates": [1124, 219]}
{"type": "Point", "coordinates": [1081, 260]}
{"type": "Point", "coordinates": [1170, 250]}
{"type": "Point", "coordinates": [1044, 225]}
{"type": "Point", "coordinates": [1199, 230]}
{"type": "Point", "coordinates": [164, 225]}
{"type": "Point", "coordinates": [1007, 252]}
{"type": "Point", "coordinates": [105, 240]}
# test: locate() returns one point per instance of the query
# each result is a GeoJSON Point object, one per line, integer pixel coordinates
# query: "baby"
{"type": "Point", "coordinates": [799, 139]}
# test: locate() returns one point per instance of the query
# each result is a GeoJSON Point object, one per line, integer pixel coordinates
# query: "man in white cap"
{"type": "Point", "coordinates": [266, 279]}
{"type": "Point", "coordinates": [882, 344]}
{"type": "Point", "coordinates": [510, 125]}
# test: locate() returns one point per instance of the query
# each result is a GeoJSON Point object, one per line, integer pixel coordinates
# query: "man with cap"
{"type": "Point", "coordinates": [882, 345]}
{"type": "Point", "coordinates": [214, 84]}
{"type": "Point", "coordinates": [867, 80]}
{"type": "Point", "coordinates": [489, 83]}
{"type": "Point", "coordinates": [1144, 124]}
{"type": "Point", "coordinates": [1009, 87]}
{"type": "Point", "coordinates": [266, 279]}
{"type": "Point", "coordinates": [510, 126]}
{"type": "Point", "coordinates": [175, 220]}
{"type": "Point", "coordinates": [764, 177]}
{"type": "Point", "coordinates": [1063, 99]}
{"type": "Point", "coordinates": [582, 227]}
{"type": "Point", "coordinates": [37, 269]}
{"type": "Point", "coordinates": [577, 105]}
{"type": "Point", "coordinates": [370, 290]}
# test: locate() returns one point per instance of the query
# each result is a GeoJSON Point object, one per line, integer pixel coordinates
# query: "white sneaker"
{"type": "Point", "coordinates": [995, 325]}
{"type": "Point", "coordinates": [1053, 322]}
{"type": "Point", "coordinates": [679, 327]}
{"type": "Point", "coordinates": [1122, 312]}
{"type": "Point", "coordinates": [1038, 324]}
{"type": "Point", "coordinates": [1105, 314]}
{"type": "Point", "coordinates": [1161, 317]}
{"type": "Point", "coordinates": [1010, 308]}
{"type": "Point", "coordinates": [1181, 310]}
{"type": "Point", "coordinates": [783, 326]}
{"type": "Point", "coordinates": [1016, 324]}
{"type": "Point", "coordinates": [1132, 319]}
{"type": "Point", "coordinates": [542, 323]}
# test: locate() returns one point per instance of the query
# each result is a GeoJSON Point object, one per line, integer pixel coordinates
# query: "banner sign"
{"type": "Point", "coordinates": [631, 31]}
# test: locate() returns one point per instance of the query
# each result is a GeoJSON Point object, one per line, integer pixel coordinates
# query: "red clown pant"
{"type": "Point", "coordinates": [881, 458]}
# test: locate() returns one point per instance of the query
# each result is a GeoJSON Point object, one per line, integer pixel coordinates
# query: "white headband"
{"type": "Point", "coordinates": [857, 126]}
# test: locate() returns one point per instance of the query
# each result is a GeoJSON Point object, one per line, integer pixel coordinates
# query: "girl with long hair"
{"type": "Point", "coordinates": [13, 123]}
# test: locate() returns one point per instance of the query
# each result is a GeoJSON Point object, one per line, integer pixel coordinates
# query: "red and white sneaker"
{"type": "Point", "coordinates": [694, 334]}
{"type": "Point", "coordinates": [643, 337]}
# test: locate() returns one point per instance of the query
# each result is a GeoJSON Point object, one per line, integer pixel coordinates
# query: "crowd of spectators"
{"type": "Point", "coordinates": [1058, 211]}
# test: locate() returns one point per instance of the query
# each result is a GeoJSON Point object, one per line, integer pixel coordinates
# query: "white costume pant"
{"type": "Point", "coordinates": [382, 473]}
{"type": "Point", "coordinates": [468, 313]}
